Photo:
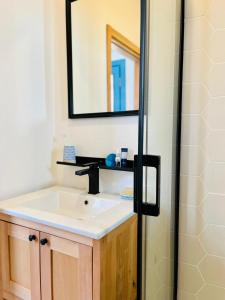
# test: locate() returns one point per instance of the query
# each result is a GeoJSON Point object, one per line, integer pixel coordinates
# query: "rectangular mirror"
{"type": "Point", "coordinates": [103, 49]}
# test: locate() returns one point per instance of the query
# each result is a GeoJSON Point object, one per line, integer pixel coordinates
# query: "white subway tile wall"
{"type": "Point", "coordinates": [202, 217]}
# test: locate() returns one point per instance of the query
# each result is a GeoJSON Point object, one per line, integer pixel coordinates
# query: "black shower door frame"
{"type": "Point", "coordinates": [140, 160]}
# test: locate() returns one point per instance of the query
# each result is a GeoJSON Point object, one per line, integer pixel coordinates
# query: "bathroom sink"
{"type": "Point", "coordinates": [72, 210]}
{"type": "Point", "coordinates": [71, 204]}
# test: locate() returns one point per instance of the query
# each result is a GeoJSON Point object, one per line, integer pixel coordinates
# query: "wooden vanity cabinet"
{"type": "Point", "coordinates": [66, 269]}
{"type": "Point", "coordinates": [20, 268]}
{"type": "Point", "coordinates": [39, 262]}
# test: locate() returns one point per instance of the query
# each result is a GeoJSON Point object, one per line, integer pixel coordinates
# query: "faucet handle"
{"type": "Point", "coordinates": [92, 171]}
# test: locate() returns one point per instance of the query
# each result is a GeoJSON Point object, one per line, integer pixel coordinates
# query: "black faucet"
{"type": "Point", "coordinates": [93, 173]}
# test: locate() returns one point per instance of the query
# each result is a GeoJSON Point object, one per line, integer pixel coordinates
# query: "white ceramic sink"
{"type": "Point", "coordinates": [71, 204]}
{"type": "Point", "coordinates": [71, 210]}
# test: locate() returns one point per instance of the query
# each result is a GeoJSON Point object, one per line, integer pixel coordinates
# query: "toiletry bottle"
{"type": "Point", "coordinates": [118, 158]}
{"type": "Point", "coordinates": [124, 154]}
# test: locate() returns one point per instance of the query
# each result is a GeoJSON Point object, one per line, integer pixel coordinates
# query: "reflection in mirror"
{"type": "Point", "coordinates": [103, 41]}
{"type": "Point", "coordinates": [123, 63]}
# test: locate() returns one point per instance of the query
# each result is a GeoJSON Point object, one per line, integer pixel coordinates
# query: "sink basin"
{"type": "Point", "coordinates": [74, 205]}
{"type": "Point", "coordinates": [71, 210]}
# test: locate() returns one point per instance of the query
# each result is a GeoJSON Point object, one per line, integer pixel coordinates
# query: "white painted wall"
{"type": "Point", "coordinates": [33, 88]}
{"type": "Point", "coordinates": [92, 137]}
{"type": "Point", "coordinates": [26, 115]}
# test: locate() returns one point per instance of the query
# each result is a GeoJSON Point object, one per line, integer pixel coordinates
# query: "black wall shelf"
{"type": "Point", "coordinates": [81, 161]}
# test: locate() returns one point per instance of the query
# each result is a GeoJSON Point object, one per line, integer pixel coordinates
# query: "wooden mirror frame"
{"type": "Point", "coordinates": [122, 42]}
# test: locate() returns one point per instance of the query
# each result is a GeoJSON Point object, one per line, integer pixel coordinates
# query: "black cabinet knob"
{"type": "Point", "coordinates": [43, 242]}
{"type": "Point", "coordinates": [32, 237]}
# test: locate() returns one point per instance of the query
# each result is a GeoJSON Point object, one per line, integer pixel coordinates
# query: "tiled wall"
{"type": "Point", "coordinates": [202, 231]}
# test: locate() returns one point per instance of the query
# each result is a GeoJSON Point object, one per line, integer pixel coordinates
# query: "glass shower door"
{"type": "Point", "coordinates": [157, 162]}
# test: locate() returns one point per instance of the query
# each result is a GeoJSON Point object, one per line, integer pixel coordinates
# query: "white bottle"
{"type": "Point", "coordinates": [118, 158]}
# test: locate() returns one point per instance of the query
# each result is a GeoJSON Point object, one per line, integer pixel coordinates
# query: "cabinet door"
{"type": "Point", "coordinates": [66, 269]}
{"type": "Point", "coordinates": [20, 264]}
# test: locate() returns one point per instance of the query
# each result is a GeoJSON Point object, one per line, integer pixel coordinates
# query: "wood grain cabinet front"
{"type": "Point", "coordinates": [66, 269]}
{"type": "Point", "coordinates": [20, 262]}
{"type": "Point", "coordinates": [38, 262]}
{"type": "Point", "coordinates": [37, 266]}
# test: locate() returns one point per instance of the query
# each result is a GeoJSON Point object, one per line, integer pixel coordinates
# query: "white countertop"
{"type": "Point", "coordinates": [103, 213]}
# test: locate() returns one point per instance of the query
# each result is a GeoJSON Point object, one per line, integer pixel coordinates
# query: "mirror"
{"type": "Point", "coordinates": [103, 48]}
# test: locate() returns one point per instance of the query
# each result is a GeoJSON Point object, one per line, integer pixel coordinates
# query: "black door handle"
{"type": "Point", "coordinates": [152, 161]}
{"type": "Point", "coordinates": [43, 242]}
{"type": "Point", "coordinates": [32, 237]}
